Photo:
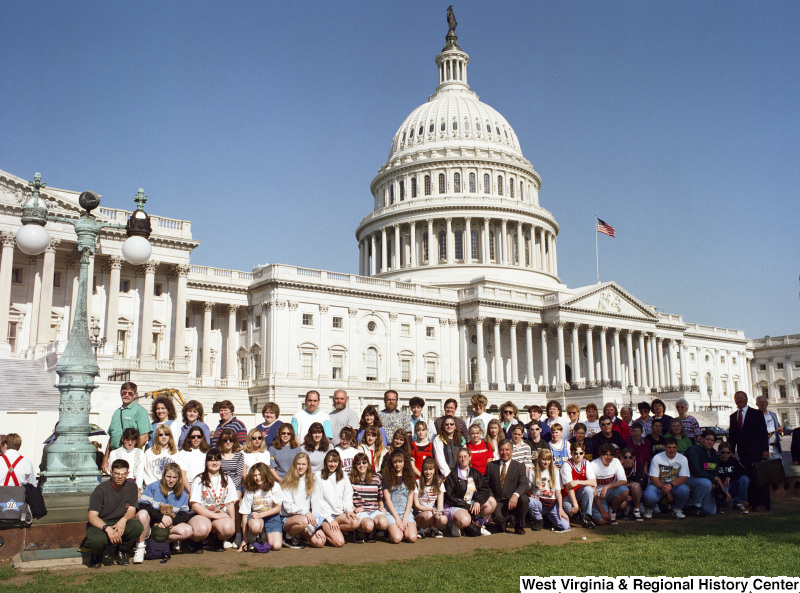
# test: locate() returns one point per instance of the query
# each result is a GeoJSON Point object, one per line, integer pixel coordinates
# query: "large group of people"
{"type": "Point", "coordinates": [331, 478]}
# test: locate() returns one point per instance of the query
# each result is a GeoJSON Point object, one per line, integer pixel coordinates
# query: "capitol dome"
{"type": "Point", "coordinates": [456, 200]}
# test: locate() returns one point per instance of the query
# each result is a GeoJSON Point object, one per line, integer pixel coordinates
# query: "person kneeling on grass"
{"type": "Point", "coordinates": [398, 494]}
{"type": "Point", "coordinates": [468, 500]}
{"type": "Point", "coordinates": [637, 482]}
{"type": "Point", "coordinates": [545, 492]}
{"type": "Point", "coordinates": [611, 492]}
{"type": "Point", "coordinates": [299, 523]}
{"type": "Point", "coordinates": [113, 528]}
{"type": "Point", "coordinates": [367, 499]}
{"type": "Point", "coordinates": [577, 476]}
{"type": "Point", "coordinates": [333, 500]}
{"type": "Point", "coordinates": [213, 498]}
{"type": "Point", "coordinates": [733, 481]}
{"type": "Point", "coordinates": [164, 504]}
{"type": "Point", "coordinates": [260, 509]}
{"type": "Point", "coordinates": [669, 471]}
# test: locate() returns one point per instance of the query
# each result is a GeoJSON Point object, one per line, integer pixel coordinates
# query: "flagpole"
{"type": "Point", "coordinates": [596, 252]}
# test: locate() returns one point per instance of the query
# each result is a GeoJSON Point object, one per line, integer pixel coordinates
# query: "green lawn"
{"type": "Point", "coordinates": [768, 545]}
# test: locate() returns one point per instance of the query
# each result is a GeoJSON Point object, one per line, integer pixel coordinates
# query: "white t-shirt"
{"type": "Point", "coordinates": [666, 469]}
{"type": "Point", "coordinates": [347, 458]}
{"type": "Point", "coordinates": [250, 459]}
{"type": "Point", "coordinates": [192, 462]}
{"type": "Point", "coordinates": [607, 474]}
{"type": "Point", "coordinates": [135, 459]}
{"type": "Point", "coordinates": [24, 471]}
{"type": "Point", "coordinates": [566, 471]}
{"type": "Point", "coordinates": [216, 496]}
{"type": "Point", "coordinates": [544, 489]}
{"type": "Point", "coordinates": [154, 464]}
{"type": "Point", "coordinates": [482, 419]}
{"type": "Point", "coordinates": [592, 428]}
{"type": "Point", "coordinates": [261, 501]}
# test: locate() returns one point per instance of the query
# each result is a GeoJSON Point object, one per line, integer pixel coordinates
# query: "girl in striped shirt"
{"type": "Point", "coordinates": [367, 499]}
{"type": "Point", "coordinates": [429, 501]}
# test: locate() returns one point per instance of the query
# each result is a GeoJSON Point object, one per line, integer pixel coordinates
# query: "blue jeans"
{"type": "Point", "coordinates": [701, 495]}
{"type": "Point", "coordinates": [652, 495]}
{"type": "Point", "coordinates": [536, 508]}
{"type": "Point", "coordinates": [585, 497]}
{"type": "Point", "coordinates": [738, 491]}
{"type": "Point", "coordinates": [611, 494]}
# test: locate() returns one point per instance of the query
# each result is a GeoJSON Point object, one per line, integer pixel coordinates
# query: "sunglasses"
{"type": "Point", "coordinates": [196, 436]}
{"type": "Point", "coordinates": [227, 440]}
{"type": "Point", "coordinates": [606, 424]}
{"type": "Point", "coordinates": [451, 425]}
{"type": "Point", "coordinates": [127, 393]}
{"type": "Point", "coordinates": [256, 438]}
{"type": "Point", "coordinates": [579, 453]}
{"type": "Point", "coordinates": [508, 411]}
{"type": "Point", "coordinates": [362, 462]}
{"type": "Point", "coordinates": [286, 434]}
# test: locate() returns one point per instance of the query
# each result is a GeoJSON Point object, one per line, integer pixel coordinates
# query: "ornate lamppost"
{"type": "Point", "coordinates": [97, 341]}
{"type": "Point", "coordinates": [71, 465]}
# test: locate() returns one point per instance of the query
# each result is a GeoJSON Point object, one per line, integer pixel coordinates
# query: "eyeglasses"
{"type": "Point", "coordinates": [450, 424]}
{"type": "Point", "coordinates": [605, 424]}
{"type": "Point", "coordinates": [579, 453]}
{"type": "Point", "coordinates": [196, 436]}
{"type": "Point", "coordinates": [256, 438]}
{"type": "Point", "coordinates": [227, 440]}
{"type": "Point", "coordinates": [120, 474]}
{"type": "Point", "coordinates": [534, 428]}
{"type": "Point", "coordinates": [508, 411]}
{"type": "Point", "coordinates": [127, 393]}
{"type": "Point", "coordinates": [286, 434]}
{"type": "Point", "coordinates": [362, 462]}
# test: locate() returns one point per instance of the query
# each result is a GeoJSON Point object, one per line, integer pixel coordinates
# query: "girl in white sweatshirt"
{"type": "Point", "coordinates": [333, 500]}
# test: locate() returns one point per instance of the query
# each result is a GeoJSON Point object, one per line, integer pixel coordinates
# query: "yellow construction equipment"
{"type": "Point", "coordinates": [167, 391]}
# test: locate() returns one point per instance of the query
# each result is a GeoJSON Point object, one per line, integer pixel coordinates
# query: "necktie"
{"type": "Point", "coordinates": [741, 419]}
{"type": "Point", "coordinates": [503, 477]}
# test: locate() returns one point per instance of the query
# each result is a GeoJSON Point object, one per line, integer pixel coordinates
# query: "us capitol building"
{"type": "Point", "coordinates": [458, 292]}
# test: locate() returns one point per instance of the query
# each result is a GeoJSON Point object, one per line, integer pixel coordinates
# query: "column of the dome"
{"type": "Point", "coordinates": [372, 254]}
{"type": "Point", "coordinates": [449, 241]}
{"type": "Point", "coordinates": [481, 349]}
{"type": "Point", "coordinates": [396, 251]}
{"type": "Point", "coordinates": [413, 241]}
{"type": "Point", "coordinates": [562, 363]}
{"type": "Point", "coordinates": [485, 246]}
{"type": "Point", "coordinates": [467, 242]}
{"type": "Point", "coordinates": [520, 246]}
{"type": "Point", "coordinates": [383, 250]}
{"type": "Point", "coordinates": [540, 251]}
{"type": "Point", "coordinates": [529, 354]}
{"type": "Point", "coordinates": [432, 258]}
{"type": "Point", "coordinates": [502, 257]}
{"type": "Point", "coordinates": [555, 256]}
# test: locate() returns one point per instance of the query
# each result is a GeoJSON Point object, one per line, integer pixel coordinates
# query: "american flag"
{"type": "Point", "coordinates": [605, 228]}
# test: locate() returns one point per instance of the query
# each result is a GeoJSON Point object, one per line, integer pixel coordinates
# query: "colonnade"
{"type": "Point", "coordinates": [599, 356]}
{"type": "Point", "coordinates": [461, 240]}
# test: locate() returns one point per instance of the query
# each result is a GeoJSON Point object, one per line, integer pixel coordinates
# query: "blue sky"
{"type": "Point", "coordinates": [263, 123]}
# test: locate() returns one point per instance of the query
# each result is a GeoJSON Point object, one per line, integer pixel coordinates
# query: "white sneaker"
{"type": "Point", "coordinates": [138, 555]}
{"type": "Point", "coordinates": [485, 531]}
{"type": "Point", "coordinates": [678, 514]}
{"type": "Point", "coordinates": [648, 513]}
{"type": "Point", "coordinates": [226, 545]}
{"type": "Point", "coordinates": [637, 515]}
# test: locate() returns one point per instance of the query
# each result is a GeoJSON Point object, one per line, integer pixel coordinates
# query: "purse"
{"type": "Point", "coordinates": [768, 472]}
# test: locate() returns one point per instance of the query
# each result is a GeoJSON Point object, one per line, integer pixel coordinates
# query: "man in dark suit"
{"type": "Point", "coordinates": [748, 436]}
{"type": "Point", "coordinates": [509, 486]}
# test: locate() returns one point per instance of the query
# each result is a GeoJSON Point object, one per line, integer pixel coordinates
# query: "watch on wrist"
{"type": "Point", "coordinates": [105, 527]}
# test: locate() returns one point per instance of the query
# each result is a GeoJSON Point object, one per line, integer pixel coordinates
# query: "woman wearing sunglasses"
{"type": "Point", "coordinates": [192, 456]}
{"type": "Point", "coordinates": [255, 450]}
{"type": "Point", "coordinates": [213, 498]}
{"type": "Point", "coordinates": [637, 482]}
{"type": "Point", "coordinates": [282, 452]}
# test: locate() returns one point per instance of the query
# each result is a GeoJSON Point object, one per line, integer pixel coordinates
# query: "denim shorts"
{"type": "Point", "coordinates": [368, 515]}
{"type": "Point", "coordinates": [272, 524]}
{"type": "Point", "coordinates": [390, 519]}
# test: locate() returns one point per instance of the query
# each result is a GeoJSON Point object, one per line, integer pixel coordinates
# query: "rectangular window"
{"type": "Point", "coordinates": [257, 321]}
{"type": "Point", "coordinates": [797, 364]}
{"type": "Point", "coordinates": [405, 329]}
{"type": "Point", "coordinates": [722, 359]}
{"type": "Point", "coordinates": [765, 392]}
{"type": "Point", "coordinates": [473, 246]}
{"type": "Point", "coordinates": [124, 286]}
{"type": "Point", "coordinates": [156, 346]}
{"type": "Point", "coordinates": [371, 365]}
{"type": "Point", "coordinates": [12, 336]}
{"type": "Point", "coordinates": [405, 371]}
{"type": "Point", "coordinates": [762, 367]}
{"type": "Point", "coordinates": [691, 356]}
{"type": "Point", "coordinates": [735, 385]}
{"type": "Point", "coordinates": [725, 387]}
{"type": "Point", "coordinates": [782, 391]}
{"type": "Point", "coordinates": [308, 319]}
{"type": "Point", "coordinates": [430, 332]}
{"type": "Point", "coordinates": [337, 361]}
{"type": "Point", "coordinates": [122, 341]}
{"type": "Point", "coordinates": [307, 365]}
{"type": "Point", "coordinates": [459, 239]}
{"type": "Point", "coordinates": [733, 360]}
{"type": "Point", "coordinates": [779, 366]}
{"type": "Point", "coordinates": [158, 289]}
{"type": "Point", "coordinates": [56, 279]}
{"type": "Point", "coordinates": [337, 323]}
{"type": "Point", "coordinates": [243, 326]}
{"type": "Point", "coordinates": [16, 275]}
{"type": "Point", "coordinates": [430, 371]}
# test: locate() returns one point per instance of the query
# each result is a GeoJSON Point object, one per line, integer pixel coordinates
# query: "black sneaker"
{"type": "Point", "coordinates": [96, 561]}
{"type": "Point", "coordinates": [588, 522]}
{"type": "Point", "coordinates": [537, 525]}
{"type": "Point", "coordinates": [196, 547]}
{"type": "Point", "coordinates": [371, 539]}
{"type": "Point", "coordinates": [358, 537]}
{"type": "Point", "coordinates": [295, 543]}
{"type": "Point", "coordinates": [108, 556]}
{"type": "Point", "coordinates": [123, 559]}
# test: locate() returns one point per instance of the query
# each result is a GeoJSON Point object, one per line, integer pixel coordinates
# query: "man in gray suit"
{"type": "Point", "coordinates": [509, 486]}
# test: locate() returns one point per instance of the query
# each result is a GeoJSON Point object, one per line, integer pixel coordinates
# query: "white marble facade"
{"type": "Point", "coordinates": [458, 292]}
{"type": "Point", "coordinates": [775, 372]}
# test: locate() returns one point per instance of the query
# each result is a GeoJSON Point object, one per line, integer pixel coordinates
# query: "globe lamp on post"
{"type": "Point", "coordinates": [71, 465]}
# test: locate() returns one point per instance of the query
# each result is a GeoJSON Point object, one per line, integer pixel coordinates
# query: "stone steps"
{"type": "Point", "coordinates": [27, 385]}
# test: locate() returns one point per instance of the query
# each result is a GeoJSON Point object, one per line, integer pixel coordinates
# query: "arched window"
{"type": "Point", "coordinates": [521, 191]}
{"type": "Point", "coordinates": [459, 241]}
{"type": "Point", "coordinates": [474, 244]}
{"type": "Point", "coordinates": [455, 125]}
{"type": "Point", "coordinates": [491, 245]}
{"type": "Point", "coordinates": [413, 187]}
{"type": "Point", "coordinates": [425, 247]}
{"type": "Point", "coordinates": [472, 183]}
{"type": "Point", "coordinates": [371, 364]}
{"type": "Point", "coordinates": [442, 245]}
{"type": "Point", "coordinates": [402, 190]}
{"type": "Point", "coordinates": [709, 384]}
{"type": "Point", "coordinates": [473, 369]}
{"type": "Point", "coordinates": [457, 183]}
{"type": "Point", "coordinates": [499, 185]}
{"type": "Point", "coordinates": [421, 129]}
{"type": "Point", "coordinates": [442, 126]}
{"type": "Point", "coordinates": [487, 184]}
{"type": "Point", "coordinates": [510, 189]}
{"type": "Point", "coordinates": [391, 194]}
{"type": "Point", "coordinates": [427, 185]}
{"type": "Point", "coordinates": [441, 183]}
{"type": "Point", "coordinates": [385, 199]}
